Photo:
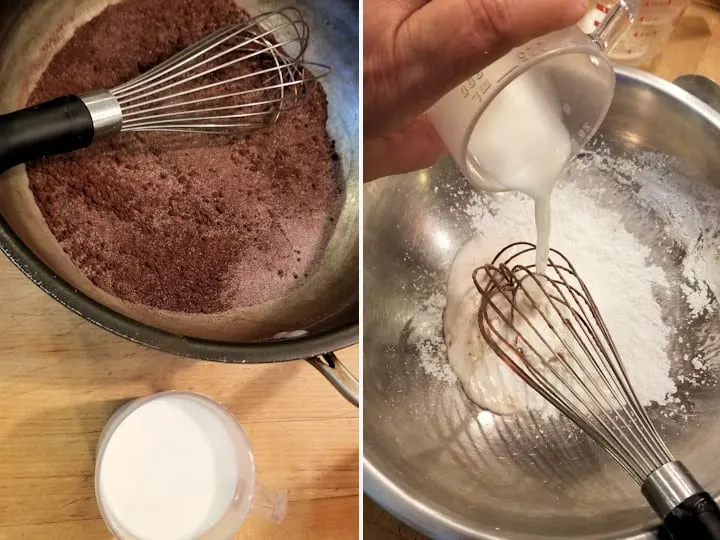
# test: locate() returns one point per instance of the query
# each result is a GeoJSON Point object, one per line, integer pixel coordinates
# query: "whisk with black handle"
{"type": "Point", "coordinates": [239, 79]}
{"type": "Point", "coordinates": [548, 330]}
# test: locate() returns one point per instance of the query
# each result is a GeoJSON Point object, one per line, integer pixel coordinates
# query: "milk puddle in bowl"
{"type": "Point", "coordinates": [641, 235]}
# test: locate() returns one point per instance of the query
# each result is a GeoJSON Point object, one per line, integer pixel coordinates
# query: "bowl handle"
{"type": "Point", "coordinates": [702, 88]}
{"type": "Point", "coordinates": [339, 376]}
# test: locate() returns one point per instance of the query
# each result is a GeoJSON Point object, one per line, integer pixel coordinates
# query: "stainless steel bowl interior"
{"type": "Point", "coordinates": [430, 456]}
{"type": "Point", "coordinates": [327, 307]}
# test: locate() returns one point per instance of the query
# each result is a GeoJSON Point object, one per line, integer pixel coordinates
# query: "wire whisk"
{"type": "Point", "coordinates": [239, 79]}
{"type": "Point", "coordinates": [243, 76]}
{"type": "Point", "coordinates": [548, 329]}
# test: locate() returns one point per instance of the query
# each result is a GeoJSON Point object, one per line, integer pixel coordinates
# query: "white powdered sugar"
{"type": "Point", "coordinates": [427, 337]}
{"type": "Point", "coordinates": [684, 222]}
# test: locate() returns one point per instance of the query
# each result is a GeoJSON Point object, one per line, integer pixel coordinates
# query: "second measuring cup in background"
{"type": "Point", "coordinates": [529, 112]}
{"type": "Point", "coordinates": [649, 33]}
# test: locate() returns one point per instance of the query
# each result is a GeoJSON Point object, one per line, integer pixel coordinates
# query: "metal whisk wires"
{"type": "Point", "coordinates": [548, 329]}
{"type": "Point", "coordinates": [242, 77]}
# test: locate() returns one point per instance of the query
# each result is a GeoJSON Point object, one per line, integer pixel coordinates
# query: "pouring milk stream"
{"type": "Point", "coordinates": [523, 143]}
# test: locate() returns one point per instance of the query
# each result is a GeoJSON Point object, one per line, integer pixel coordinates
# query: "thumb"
{"type": "Point", "coordinates": [447, 41]}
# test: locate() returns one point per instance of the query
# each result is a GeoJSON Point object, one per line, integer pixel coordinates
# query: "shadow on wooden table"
{"type": "Point", "coordinates": [47, 464]}
{"type": "Point", "coordinates": [379, 525]}
{"type": "Point", "coordinates": [691, 27]}
{"type": "Point", "coordinates": [322, 506]}
{"type": "Point", "coordinates": [243, 401]}
{"type": "Point", "coordinates": [346, 468]}
{"type": "Point", "coordinates": [66, 350]}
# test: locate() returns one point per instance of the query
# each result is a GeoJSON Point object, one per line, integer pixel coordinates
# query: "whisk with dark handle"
{"type": "Point", "coordinates": [241, 78]}
{"type": "Point", "coordinates": [549, 331]}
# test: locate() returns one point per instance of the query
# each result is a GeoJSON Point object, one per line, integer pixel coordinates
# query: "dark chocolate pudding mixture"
{"type": "Point", "coordinates": [198, 223]}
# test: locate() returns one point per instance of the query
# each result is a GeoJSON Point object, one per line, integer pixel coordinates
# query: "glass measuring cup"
{"type": "Point", "coordinates": [178, 465]}
{"type": "Point", "coordinates": [532, 110]}
{"type": "Point", "coordinates": [649, 33]}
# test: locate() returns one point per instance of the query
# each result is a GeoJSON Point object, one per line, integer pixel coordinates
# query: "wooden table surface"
{"type": "Point", "coordinates": [693, 48]}
{"type": "Point", "coordinates": [61, 378]}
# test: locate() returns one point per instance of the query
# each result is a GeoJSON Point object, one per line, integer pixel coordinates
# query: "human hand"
{"type": "Point", "coordinates": [415, 51]}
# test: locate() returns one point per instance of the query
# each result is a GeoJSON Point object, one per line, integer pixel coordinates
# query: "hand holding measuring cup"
{"type": "Point", "coordinates": [519, 121]}
{"type": "Point", "coordinates": [417, 51]}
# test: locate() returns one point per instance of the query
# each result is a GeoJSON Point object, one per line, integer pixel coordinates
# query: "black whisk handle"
{"type": "Point", "coordinates": [696, 518]}
{"type": "Point", "coordinates": [55, 127]}
{"type": "Point", "coordinates": [687, 511]}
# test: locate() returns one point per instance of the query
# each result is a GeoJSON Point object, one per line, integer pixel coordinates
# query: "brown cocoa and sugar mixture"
{"type": "Point", "coordinates": [198, 223]}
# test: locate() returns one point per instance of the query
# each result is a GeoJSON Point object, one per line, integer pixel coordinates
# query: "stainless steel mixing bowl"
{"type": "Point", "coordinates": [325, 307]}
{"type": "Point", "coordinates": [436, 460]}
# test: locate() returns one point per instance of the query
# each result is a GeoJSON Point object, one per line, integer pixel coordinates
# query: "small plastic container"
{"type": "Point", "coordinates": [648, 35]}
{"type": "Point", "coordinates": [178, 466]}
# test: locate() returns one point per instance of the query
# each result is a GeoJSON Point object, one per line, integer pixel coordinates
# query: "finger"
{"type": "Point", "coordinates": [416, 147]}
{"type": "Point", "coordinates": [447, 41]}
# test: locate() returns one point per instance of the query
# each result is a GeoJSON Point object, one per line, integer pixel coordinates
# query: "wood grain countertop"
{"type": "Point", "coordinates": [61, 378]}
{"type": "Point", "coordinates": [693, 48]}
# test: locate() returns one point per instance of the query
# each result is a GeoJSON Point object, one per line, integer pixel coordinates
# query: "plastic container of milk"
{"type": "Point", "coordinates": [649, 33]}
{"type": "Point", "coordinates": [178, 466]}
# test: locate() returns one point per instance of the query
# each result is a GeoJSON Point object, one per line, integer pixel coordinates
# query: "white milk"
{"type": "Point", "coordinates": [170, 470]}
{"type": "Point", "coordinates": [523, 144]}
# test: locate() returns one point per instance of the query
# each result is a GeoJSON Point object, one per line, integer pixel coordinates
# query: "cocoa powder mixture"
{"type": "Point", "coordinates": [197, 223]}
